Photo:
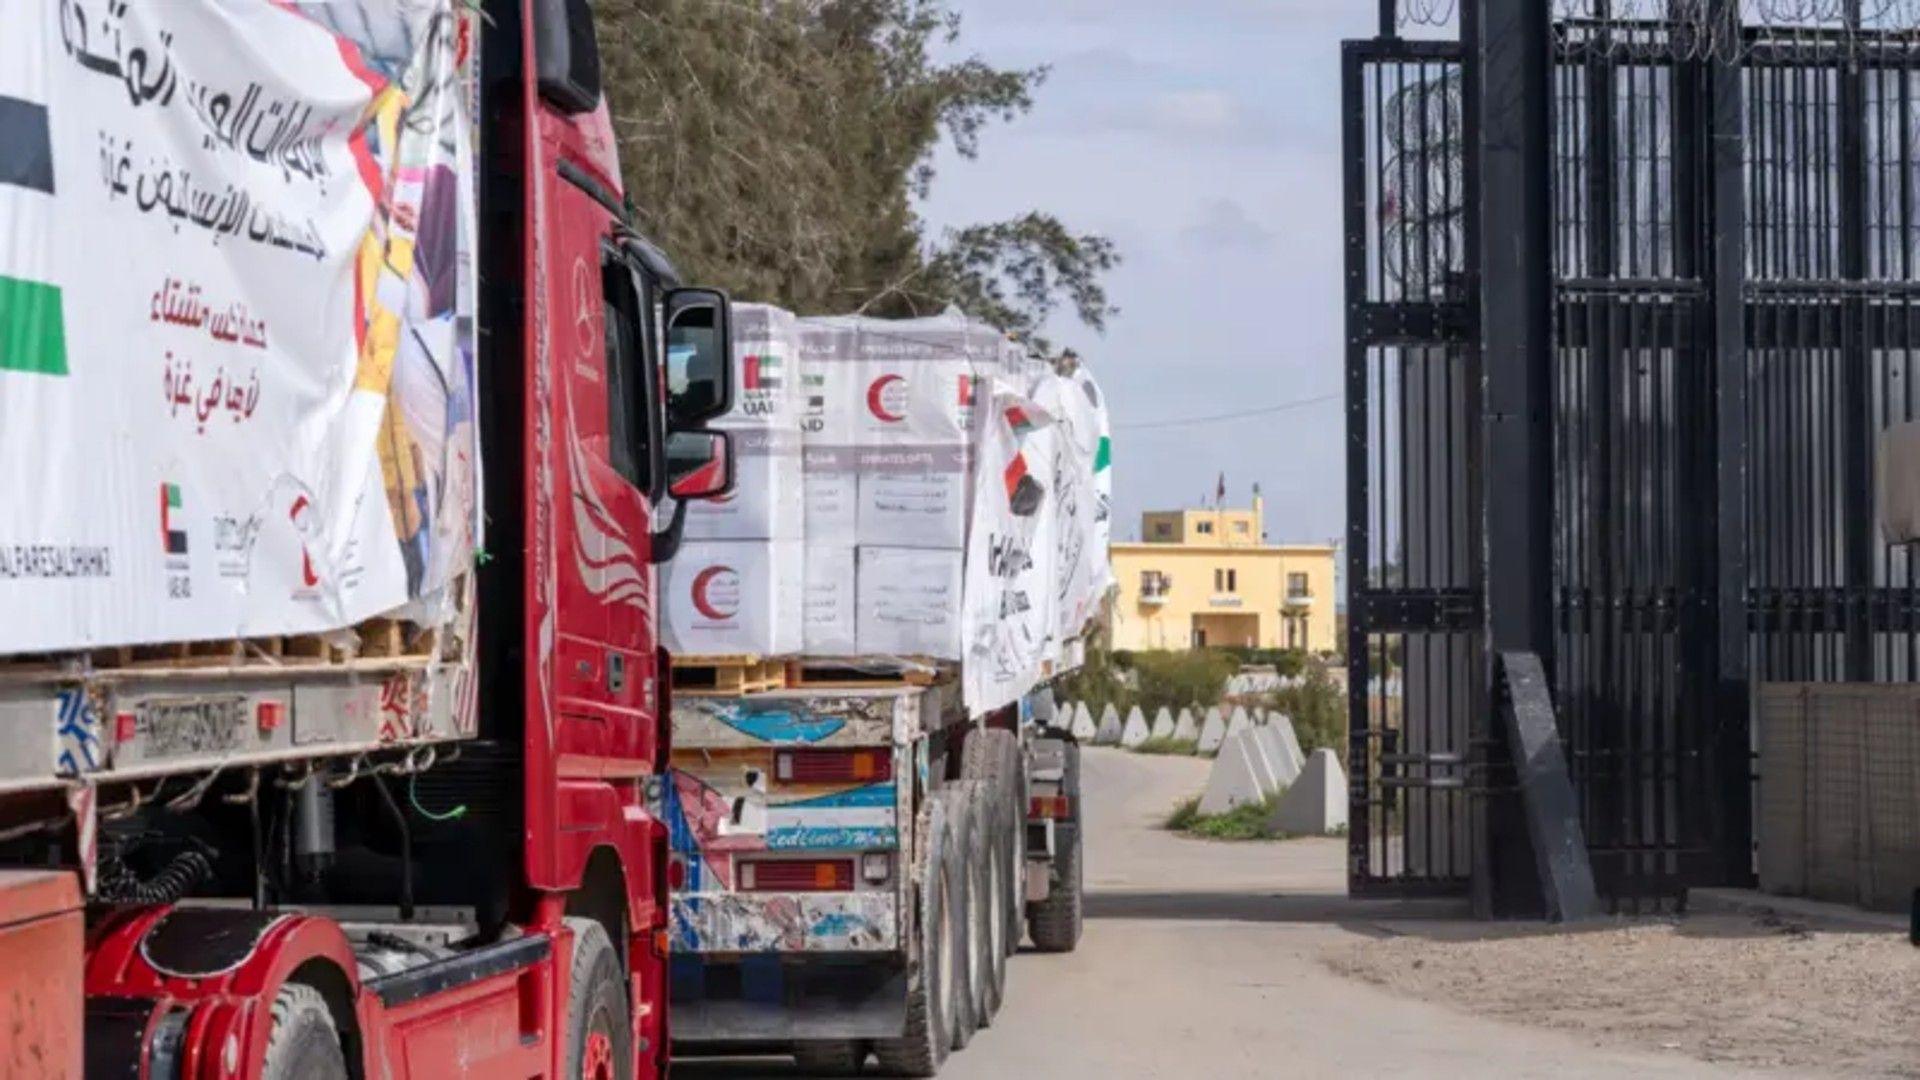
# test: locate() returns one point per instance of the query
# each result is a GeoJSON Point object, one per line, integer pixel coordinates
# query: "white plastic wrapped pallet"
{"type": "Point", "coordinates": [209, 431]}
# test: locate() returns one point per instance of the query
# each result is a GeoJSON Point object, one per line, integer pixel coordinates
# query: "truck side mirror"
{"type": "Point", "coordinates": [699, 465]}
{"type": "Point", "coordinates": [699, 356]}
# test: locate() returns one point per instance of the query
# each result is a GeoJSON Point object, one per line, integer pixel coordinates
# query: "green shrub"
{"type": "Point", "coordinates": [1176, 680]}
{"type": "Point", "coordinates": [1184, 814]}
{"type": "Point", "coordinates": [1248, 821]}
{"type": "Point", "coordinates": [1282, 661]}
{"type": "Point", "coordinates": [1318, 709]}
{"type": "Point", "coordinates": [1099, 682]}
{"type": "Point", "coordinates": [1167, 745]}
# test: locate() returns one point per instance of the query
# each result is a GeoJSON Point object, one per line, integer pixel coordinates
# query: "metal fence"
{"type": "Point", "coordinates": [1732, 243]}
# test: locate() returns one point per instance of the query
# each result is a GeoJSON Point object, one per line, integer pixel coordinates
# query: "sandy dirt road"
{"type": "Point", "coordinates": [1209, 960]}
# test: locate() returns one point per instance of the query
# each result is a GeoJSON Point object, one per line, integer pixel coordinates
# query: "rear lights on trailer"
{"type": "Point", "coordinates": [1049, 806]}
{"type": "Point", "coordinates": [796, 875]}
{"type": "Point", "coordinates": [833, 766]}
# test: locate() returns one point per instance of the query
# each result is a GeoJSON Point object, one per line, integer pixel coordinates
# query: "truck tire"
{"type": "Point", "coordinates": [599, 1033]}
{"type": "Point", "coordinates": [993, 757]}
{"type": "Point", "coordinates": [921, 1049]}
{"type": "Point", "coordinates": [970, 800]}
{"type": "Point", "coordinates": [304, 1043]}
{"type": "Point", "coordinates": [839, 1058]}
{"type": "Point", "coordinates": [1054, 924]}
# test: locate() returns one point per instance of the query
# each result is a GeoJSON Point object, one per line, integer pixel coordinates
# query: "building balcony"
{"type": "Point", "coordinates": [1225, 600]}
{"type": "Point", "coordinates": [1152, 599]}
{"type": "Point", "coordinates": [1298, 603]}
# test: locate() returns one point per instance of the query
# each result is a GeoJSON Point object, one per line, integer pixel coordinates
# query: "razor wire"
{"type": "Point", "coordinates": [1706, 29]}
{"type": "Point", "coordinates": [1701, 29]}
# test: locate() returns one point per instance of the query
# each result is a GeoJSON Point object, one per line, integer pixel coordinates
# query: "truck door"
{"type": "Point", "coordinates": [592, 588]}
{"type": "Point", "coordinates": [603, 654]}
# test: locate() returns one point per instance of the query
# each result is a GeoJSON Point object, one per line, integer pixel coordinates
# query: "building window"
{"type": "Point", "coordinates": [1226, 581]}
{"type": "Point", "coordinates": [1154, 584]}
{"type": "Point", "coordinates": [1239, 526]}
{"type": "Point", "coordinates": [1293, 632]}
{"type": "Point", "coordinates": [1203, 527]}
{"type": "Point", "coordinates": [1297, 587]}
{"type": "Point", "coordinates": [1162, 529]}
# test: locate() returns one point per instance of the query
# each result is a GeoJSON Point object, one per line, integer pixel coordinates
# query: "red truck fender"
{"type": "Point", "coordinates": [207, 976]}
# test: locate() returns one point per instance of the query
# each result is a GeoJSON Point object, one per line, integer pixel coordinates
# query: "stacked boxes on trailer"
{"type": "Point", "coordinates": [906, 800]}
{"type": "Point", "coordinates": [736, 585]}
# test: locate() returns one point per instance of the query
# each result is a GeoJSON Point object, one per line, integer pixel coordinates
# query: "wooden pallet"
{"type": "Point", "coordinates": [848, 675]}
{"type": "Point", "coordinates": [376, 639]}
{"type": "Point", "coordinates": [727, 676]}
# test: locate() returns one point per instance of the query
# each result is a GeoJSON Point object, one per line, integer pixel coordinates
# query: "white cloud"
{"type": "Point", "coordinates": [1224, 223]}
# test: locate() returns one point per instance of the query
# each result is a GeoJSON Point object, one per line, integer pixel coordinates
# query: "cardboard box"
{"type": "Point", "coordinates": [830, 625]}
{"type": "Point", "coordinates": [768, 490]}
{"type": "Point", "coordinates": [830, 495]}
{"type": "Point", "coordinates": [733, 597]}
{"type": "Point", "coordinates": [909, 602]}
{"type": "Point", "coordinates": [914, 497]}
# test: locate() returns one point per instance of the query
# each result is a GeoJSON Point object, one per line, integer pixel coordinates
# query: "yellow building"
{"type": "Point", "coordinates": [1209, 577]}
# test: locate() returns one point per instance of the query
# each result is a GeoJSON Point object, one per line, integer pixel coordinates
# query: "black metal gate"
{"type": "Point", "coordinates": [1731, 237]}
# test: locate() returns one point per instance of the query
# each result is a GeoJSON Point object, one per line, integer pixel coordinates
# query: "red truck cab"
{"type": "Point", "coordinates": [503, 912]}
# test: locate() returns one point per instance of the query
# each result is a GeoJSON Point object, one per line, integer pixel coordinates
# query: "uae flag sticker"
{"type": "Point", "coordinates": [172, 529]}
{"type": "Point", "coordinates": [762, 373]}
{"type": "Point", "coordinates": [33, 337]}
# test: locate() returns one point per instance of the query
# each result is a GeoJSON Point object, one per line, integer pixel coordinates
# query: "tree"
{"type": "Point", "coordinates": [776, 147]}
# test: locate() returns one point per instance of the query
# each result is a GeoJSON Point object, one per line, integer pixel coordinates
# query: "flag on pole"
{"type": "Point", "coordinates": [1220, 492]}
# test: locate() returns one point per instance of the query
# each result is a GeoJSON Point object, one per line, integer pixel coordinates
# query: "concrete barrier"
{"type": "Point", "coordinates": [1083, 726]}
{"type": "Point", "coordinates": [1213, 732]}
{"type": "Point", "coordinates": [1108, 733]}
{"type": "Point", "coordinates": [1284, 766]}
{"type": "Point", "coordinates": [1238, 722]}
{"type": "Point", "coordinates": [1282, 727]}
{"type": "Point", "coordinates": [1163, 724]}
{"type": "Point", "coordinates": [1185, 729]}
{"type": "Point", "coordinates": [1316, 804]}
{"type": "Point", "coordinates": [1240, 775]}
{"type": "Point", "coordinates": [1135, 732]}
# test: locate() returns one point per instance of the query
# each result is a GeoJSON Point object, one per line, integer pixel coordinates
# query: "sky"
{"type": "Point", "coordinates": [1203, 137]}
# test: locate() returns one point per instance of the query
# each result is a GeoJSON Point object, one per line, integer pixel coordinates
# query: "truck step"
{"type": "Point", "coordinates": [727, 676]}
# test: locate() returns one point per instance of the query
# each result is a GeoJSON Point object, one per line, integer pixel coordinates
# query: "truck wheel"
{"type": "Point", "coordinates": [970, 799]}
{"type": "Point", "coordinates": [843, 1058]}
{"type": "Point", "coordinates": [599, 1033]}
{"type": "Point", "coordinates": [1054, 923]}
{"type": "Point", "coordinates": [304, 1043]}
{"type": "Point", "coordinates": [993, 756]}
{"type": "Point", "coordinates": [929, 1035]}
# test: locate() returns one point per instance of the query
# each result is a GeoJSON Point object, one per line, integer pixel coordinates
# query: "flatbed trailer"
{"type": "Point", "coordinates": [852, 868]}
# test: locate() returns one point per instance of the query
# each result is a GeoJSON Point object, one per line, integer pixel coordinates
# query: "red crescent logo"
{"type": "Point", "coordinates": [876, 395]}
{"type": "Point", "coordinates": [704, 603]}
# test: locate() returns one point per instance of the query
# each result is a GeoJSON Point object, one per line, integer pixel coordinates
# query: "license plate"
{"type": "Point", "coordinates": [186, 727]}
